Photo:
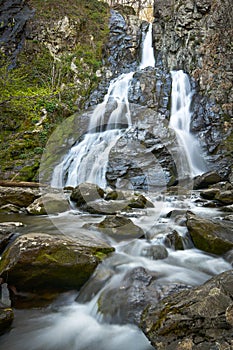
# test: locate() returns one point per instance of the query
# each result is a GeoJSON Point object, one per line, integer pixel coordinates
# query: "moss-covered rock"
{"type": "Point", "coordinates": [42, 262]}
{"type": "Point", "coordinates": [210, 236]}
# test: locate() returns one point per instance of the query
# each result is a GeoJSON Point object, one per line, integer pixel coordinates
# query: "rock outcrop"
{"type": "Point", "coordinates": [196, 319]}
{"type": "Point", "coordinates": [196, 36]}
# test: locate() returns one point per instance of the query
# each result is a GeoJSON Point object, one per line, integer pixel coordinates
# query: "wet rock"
{"type": "Point", "coordinates": [209, 193]}
{"type": "Point", "coordinates": [137, 289]}
{"type": "Point", "coordinates": [8, 232]}
{"type": "Point", "coordinates": [225, 197]}
{"type": "Point", "coordinates": [204, 180]}
{"type": "Point", "coordinates": [6, 319]}
{"type": "Point", "coordinates": [18, 196]}
{"type": "Point", "coordinates": [209, 235]}
{"type": "Point", "coordinates": [229, 256]}
{"type": "Point", "coordinates": [50, 203]}
{"type": "Point", "coordinates": [85, 193]}
{"type": "Point", "coordinates": [200, 318]}
{"type": "Point", "coordinates": [155, 252]}
{"type": "Point", "coordinates": [41, 262]}
{"type": "Point", "coordinates": [174, 240]}
{"type": "Point", "coordinates": [221, 192]}
{"type": "Point", "coordinates": [10, 208]}
{"type": "Point", "coordinates": [119, 227]}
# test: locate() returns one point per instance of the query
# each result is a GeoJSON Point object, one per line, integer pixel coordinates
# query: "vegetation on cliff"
{"type": "Point", "coordinates": [52, 78]}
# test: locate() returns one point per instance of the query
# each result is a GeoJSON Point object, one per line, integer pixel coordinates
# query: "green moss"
{"type": "Point", "coordinates": [42, 91]}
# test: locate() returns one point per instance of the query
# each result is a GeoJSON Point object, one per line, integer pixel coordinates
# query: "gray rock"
{"type": "Point", "coordinates": [119, 227]}
{"type": "Point", "coordinates": [200, 318]}
{"type": "Point", "coordinates": [155, 252]}
{"type": "Point", "coordinates": [138, 288]}
{"type": "Point", "coordinates": [204, 180]}
{"type": "Point", "coordinates": [50, 203]}
{"type": "Point", "coordinates": [18, 196]}
{"type": "Point", "coordinates": [85, 193]}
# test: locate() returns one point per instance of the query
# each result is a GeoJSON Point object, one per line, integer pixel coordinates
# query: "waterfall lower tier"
{"type": "Point", "coordinates": [87, 160]}
{"type": "Point", "coordinates": [192, 163]}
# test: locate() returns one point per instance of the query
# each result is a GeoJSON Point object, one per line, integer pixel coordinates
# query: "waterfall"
{"type": "Point", "coordinates": [148, 59]}
{"type": "Point", "coordinates": [87, 160]}
{"type": "Point", "coordinates": [189, 149]}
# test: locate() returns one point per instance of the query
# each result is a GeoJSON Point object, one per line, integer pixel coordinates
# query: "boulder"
{"type": "Point", "coordinates": [204, 180]}
{"type": "Point", "coordinates": [221, 192]}
{"type": "Point", "coordinates": [42, 262]}
{"type": "Point", "coordinates": [119, 227]}
{"type": "Point", "coordinates": [208, 235]}
{"type": "Point", "coordinates": [18, 196]}
{"type": "Point", "coordinates": [195, 319]}
{"type": "Point", "coordinates": [138, 288]}
{"type": "Point", "coordinates": [85, 193]}
{"type": "Point", "coordinates": [50, 203]}
{"type": "Point", "coordinates": [6, 319]}
{"type": "Point", "coordinates": [174, 240]}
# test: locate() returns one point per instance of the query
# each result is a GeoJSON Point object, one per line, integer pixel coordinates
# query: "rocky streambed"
{"type": "Point", "coordinates": [114, 262]}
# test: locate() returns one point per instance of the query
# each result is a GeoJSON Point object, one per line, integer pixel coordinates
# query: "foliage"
{"type": "Point", "coordinates": [46, 87]}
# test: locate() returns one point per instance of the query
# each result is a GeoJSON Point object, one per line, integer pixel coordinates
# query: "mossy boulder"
{"type": "Point", "coordinates": [209, 235]}
{"type": "Point", "coordinates": [42, 262]}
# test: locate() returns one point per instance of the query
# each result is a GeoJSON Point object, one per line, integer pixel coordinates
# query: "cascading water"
{"type": "Point", "coordinates": [190, 151]}
{"type": "Point", "coordinates": [148, 59]}
{"type": "Point", "coordinates": [87, 160]}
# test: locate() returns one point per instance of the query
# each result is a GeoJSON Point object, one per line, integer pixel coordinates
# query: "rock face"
{"type": "Point", "coordinates": [195, 319]}
{"type": "Point", "coordinates": [210, 236]}
{"type": "Point", "coordinates": [195, 36]}
{"type": "Point", "coordinates": [43, 262]}
{"type": "Point", "coordinates": [14, 14]}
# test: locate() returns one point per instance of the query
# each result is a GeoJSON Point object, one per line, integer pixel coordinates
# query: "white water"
{"type": "Point", "coordinates": [148, 59]}
{"type": "Point", "coordinates": [180, 120]}
{"type": "Point", "coordinates": [87, 160]}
